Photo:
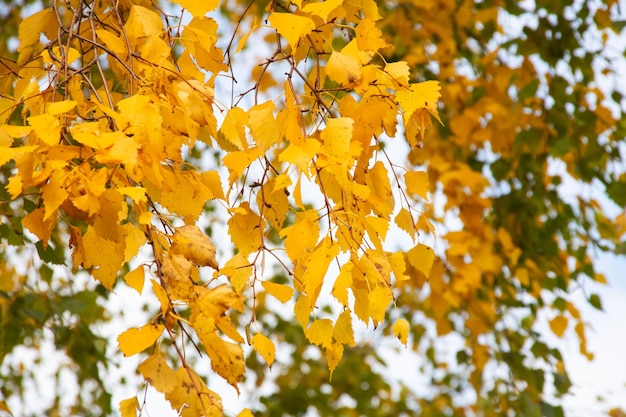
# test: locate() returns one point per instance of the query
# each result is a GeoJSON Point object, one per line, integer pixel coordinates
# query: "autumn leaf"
{"type": "Point", "coordinates": [320, 332]}
{"type": "Point", "coordinates": [135, 340]}
{"type": "Point", "coordinates": [417, 183]}
{"type": "Point", "coordinates": [198, 8]}
{"type": "Point", "coordinates": [282, 292]}
{"type": "Point", "coordinates": [264, 346]}
{"type": "Point", "coordinates": [136, 278]}
{"type": "Point", "coordinates": [558, 325]}
{"type": "Point", "coordinates": [129, 407]}
{"type": "Point", "coordinates": [292, 27]}
{"type": "Point", "coordinates": [243, 228]}
{"type": "Point", "coordinates": [401, 330]}
{"type": "Point", "coordinates": [158, 373]}
{"type": "Point", "coordinates": [194, 245]}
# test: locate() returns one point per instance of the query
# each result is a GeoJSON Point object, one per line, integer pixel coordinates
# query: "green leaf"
{"type": "Point", "coordinates": [617, 192]}
{"type": "Point", "coordinates": [594, 300]}
{"type": "Point", "coordinates": [49, 254]}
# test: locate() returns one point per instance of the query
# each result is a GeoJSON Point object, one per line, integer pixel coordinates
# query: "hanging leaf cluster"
{"type": "Point", "coordinates": [101, 112]}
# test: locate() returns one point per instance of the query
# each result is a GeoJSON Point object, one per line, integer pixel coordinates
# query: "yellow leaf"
{"type": "Point", "coordinates": [401, 330]}
{"type": "Point", "coordinates": [242, 42]}
{"type": "Point", "coordinates": [245, 413]}
{"type": "Point", "coordinates": [31, 27]}
{"type": "Point", "coordinates": [274, 204]}
{"type": "Point", "coordinates": [343, 68]}
{"type": "Point", "coordinates": [113, 42]}
{"type": "Point", "coordinates": [302, 235]}
{"type": "Point", "coordinates": [342, 283]}
{"type": "Point", "coordinates": [226, 358]}
{"type": "Point", "coordinates": [320, 332]}
{"type": "Point", "coordinates": [238, 161]}
{"type": "Point", "coordinates": [322, 9]}
{"type": "Point", "coordinates": [405, 222]}
{"type": "Point", "coordinates": [558, 325]}
{"type": "Point", "coordinates": [15, 186]}
{"type": "Point", "coordinates": [244, 229]}
{"type": "Point", "coordinates": [343, 332]}
{"type": "Point", "coordinates": [233, 127]}
{"type": "Point", "coordinates": [47, 128]}
{"type": "Point", "coordinates": [398, 266]}
{"type": "Point", "coordinates": [238, 270]}
{"type": "Point", "coordinates": [421, 257]}
{"type": "Point", "coordinates": [301, 154]}
{"type": "Point", "coordinates": [312, 273]}
{"type": "Point", "coordinates": [176, 273]}
{"type": "Point", "coordinates": [302, 309]}
{"type": "Point", "coordinates": [263, 126]}
{"type": "Point", "coordinates": [158, 373]}
{"type": "Point", "coordinates": [399, 72]}
{"type": "Point", "coordinates": [265, 347]}
{"type": "Point", "coordinates": [143, 22]}
{"type": "Point", "coordinates": [379, 300]}
{"type": "Point", "coordinates": [198, 8]}
{"type": "Point", "coordinates": [192, 397]}
{"type": "Point", "coordinates": [336, 138]}
{"type": "Point", "coordinates": [53, 193]}
{"type": "Point", "coordinates": [418, 96]}
{"type": "Point", "coordinates": [380, 197]}
{"type": "Point", "coordinates": [90, 134]}
{"type": "Point", "coordinates": [194, 245]}
{"type": "Point", "coordinates": [60, 107]}
{"type": "Point", "coordinates": [369, 37]}
{"type": "Point", "coordinates": [292, 27]}
{"type": "Point", "coordinates": [135, 279]}
{"type": "Point", "coordinates": [334, 353]}
{"type": "Point", "coordinates": [136, 340]}
{"type": "Point", "coordinates": [211, 179]}
{"type": "Point", "coordinates": [129, 407]}
{"type": "Point", "coordinates": [282, 292]}
{"type": "Point", "coordinates": [417, 183]}
{"type": "Point", "coordinates": [137, 194]}
{"type": "Point", "coordinates": [40, 227]}
{"type": "Point", "coordinates": [161, 295]}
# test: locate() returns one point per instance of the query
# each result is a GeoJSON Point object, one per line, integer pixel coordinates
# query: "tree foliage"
{"type": "Point", "coordinates": [252, 172]}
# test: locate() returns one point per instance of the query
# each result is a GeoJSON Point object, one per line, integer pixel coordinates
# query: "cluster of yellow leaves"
{"type": "Point", "coordinates": [107, 161]}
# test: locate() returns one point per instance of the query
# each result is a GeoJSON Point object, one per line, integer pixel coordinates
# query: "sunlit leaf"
{"type": "Point", "coordinates": [135, 340]}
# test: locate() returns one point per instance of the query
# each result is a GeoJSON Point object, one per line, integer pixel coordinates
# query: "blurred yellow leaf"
{"type": "Point", "coordinates": [129, 407]}
{"type": "Point", "coordinates": [61, 107]}
{"type": "Point", "coordinates": [417, 183]}
{"type": "Point", "coordinates": [401, 330]}
{"type": "Point", "coordinates": [558, 325]}
{"type": "Point", "coordinates": [198, 8]}
{"type": "Point", "coordinates": [245, 413]}
{"type": "Point", "coordinates": [322, 9]}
